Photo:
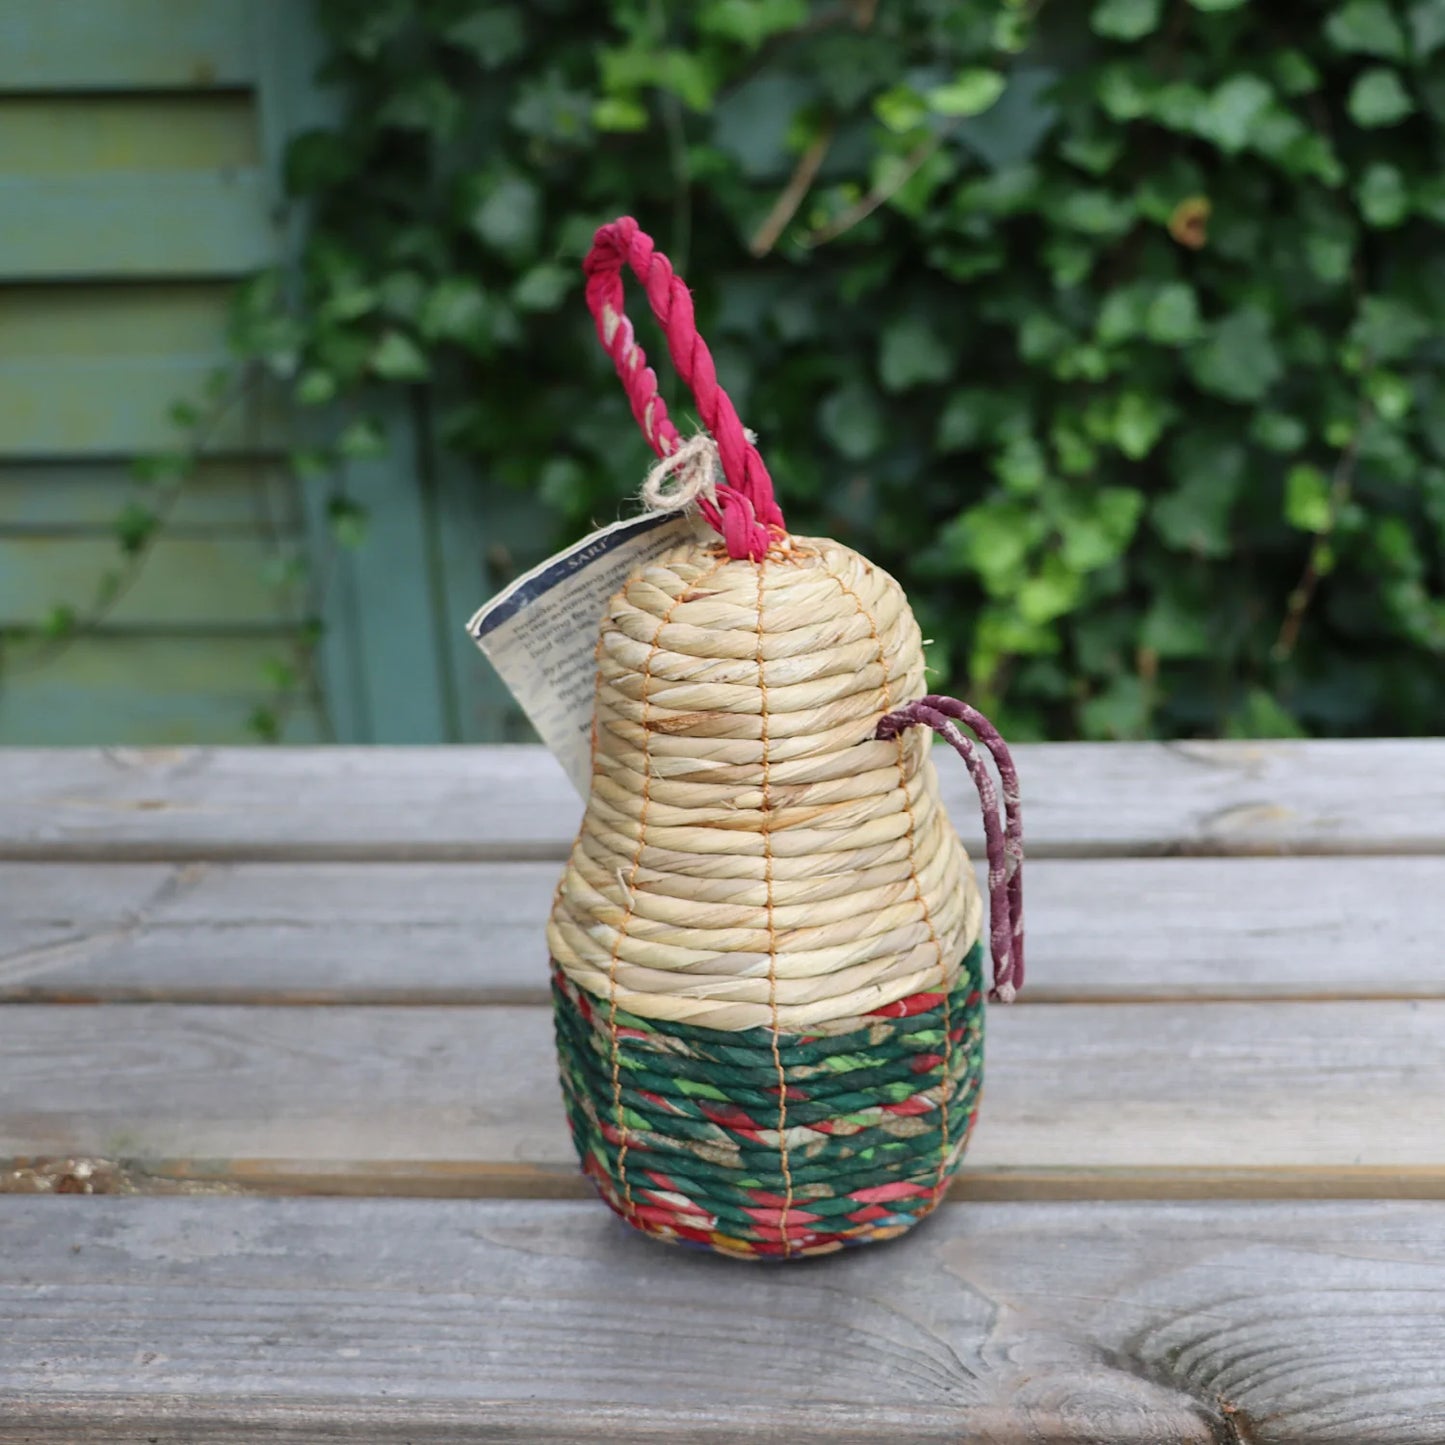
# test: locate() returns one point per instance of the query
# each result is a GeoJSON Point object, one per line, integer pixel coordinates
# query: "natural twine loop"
{"type": "Point", "coordinates": [687, 475]}
{"type": "Point", "coordinates": [676, 481]}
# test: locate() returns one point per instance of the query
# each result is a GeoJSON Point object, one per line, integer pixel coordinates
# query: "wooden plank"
{"type": "Point", "coordinates": [125, 44]}
{"type": "Point", "coordinates": [200, 224]}
{"type": "Point", "coordinates": [109, 407]}
{"type": "Point", "coordinates": [1350, 1096]}
{"type": "Point", "coordinates": [246, 494]}
{"type": "Point", "coordinates": [235, 1320]}
{"type": "Point", "coordinates": [90, 135]}
{"type": "Point", "coordinates": [95, 369]}
{"type": "Point", "coordinates": [289, 933]}
{"type": "Point", "coordinates": [506, 803]}
{"type": "Point", "coordinates": [186, 689]}
{"type": "Point", "coordinates": [189, 582]}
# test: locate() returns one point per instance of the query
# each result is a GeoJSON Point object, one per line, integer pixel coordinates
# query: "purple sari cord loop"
{"type": "Point", "coordinates": [1004, 840]}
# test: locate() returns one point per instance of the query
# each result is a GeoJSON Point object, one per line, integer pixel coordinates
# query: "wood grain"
{"type": "Point", "coordinates": [1356, 1089]}
{"type": "Point", "coordinates": [1099, 929]}
{"type": "Point", "coordinates": [234, 1320]}
{"type": "Point", "coordinates": [514, 803]}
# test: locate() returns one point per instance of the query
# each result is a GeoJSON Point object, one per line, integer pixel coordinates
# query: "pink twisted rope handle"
{"type": "Point", "coordinates": [746, 513]}
{"type": "Point", "coordinates": [1005, 844]}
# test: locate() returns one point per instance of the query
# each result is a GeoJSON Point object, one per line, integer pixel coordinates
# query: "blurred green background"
{"type": "Point", "coordinates": [1113, 329]}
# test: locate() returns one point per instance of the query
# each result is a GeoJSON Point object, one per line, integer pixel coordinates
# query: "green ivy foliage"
{"type": "Point", "coordinates": [1113, 329]}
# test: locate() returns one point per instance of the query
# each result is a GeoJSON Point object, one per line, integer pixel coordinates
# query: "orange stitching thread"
{"type": "Point", "coordinates": [773, 944]}
{"type": "Point", "coordinates": [946, 1068]}
{"type": "Point", "coordinates": [619, 1121]}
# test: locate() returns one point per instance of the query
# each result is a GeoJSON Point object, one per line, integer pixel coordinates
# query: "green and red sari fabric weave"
{"type": "Point", "coordinates": [688, 1135]}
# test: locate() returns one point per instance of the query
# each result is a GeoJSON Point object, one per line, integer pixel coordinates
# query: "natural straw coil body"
{"type": "Point", "coordinates": [756, 877]}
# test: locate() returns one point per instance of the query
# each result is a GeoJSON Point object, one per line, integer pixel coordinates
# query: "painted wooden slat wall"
{"type": "Point", "coordinates": [141, 143]}
{"type": "Point", "coordinates": [137, 186]}
{"type": "Point", "coordinates": [71, 45]}
{"type": "Point", "coordinates": [132, 185]}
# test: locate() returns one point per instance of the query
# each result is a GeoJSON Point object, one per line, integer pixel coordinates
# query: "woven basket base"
{"type": "Point", "coordinates": [681, 1130]}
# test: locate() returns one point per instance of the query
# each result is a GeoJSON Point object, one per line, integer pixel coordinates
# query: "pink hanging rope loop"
{"type": "Point", "coordinates": [1004, 842]}
{"type": "Point", "coordinates": [746, 514]}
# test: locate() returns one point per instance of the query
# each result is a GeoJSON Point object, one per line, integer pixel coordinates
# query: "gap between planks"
{"type": "Point", "coordinates": [470, 1179]}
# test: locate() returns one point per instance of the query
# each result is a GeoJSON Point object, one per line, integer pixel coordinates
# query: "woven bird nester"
{"type": "Point", "coordinates": [767, 944]}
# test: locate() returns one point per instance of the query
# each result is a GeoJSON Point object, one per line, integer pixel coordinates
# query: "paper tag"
{"type": "Point", "coordinates": [541, 632]}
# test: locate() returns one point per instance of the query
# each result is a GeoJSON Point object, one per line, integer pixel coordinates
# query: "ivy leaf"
{"type": "Point", "coordinates": [494, 36]}
{"type": "Point", "coordinates": [1307, 499]}
{"type": "Point", "coordinates": [162, 467]}
{"type": "Point", "coordinates": [1210, 6]}
{"type": "Point", "coordinates": [851, 421]}
{"type": "Point", "coordinates": [508, 216]}
{"type": "Point", "coordinates": [1366, 27]}
{"type": "Point", "coordinates": [1172, 317]}
{"type": "Point", "coordinates": [1258, 715]}
{"type": "Point", "coordinates": [1122, 315]}
{"type": "Point", "coordinates": [1238, 360]}
{"type": "Point", "coordinates": [60, 621]}
{"type": "Point", "coordinates": [1093, 537]}
{"type": "Point", "coordinates": [1388, 330]}
{"type": "Point", "coordinates": [994, 540]}
{"type": "Point", "coordinates": [1096, 212]}
{"type": "Point", "coordinates": [619, 114]}
{"type": "Point", "coordinates": [1139, 422]}
{"type": "Point", "coordinates": [1121, 710]}
{"type": "Point", "coordinates": [1277, 431]}
{"type": "Point", "coordinates": [1174, 628]}
{"type": "Point", "coordinates": [544, 287]}
{"type": "Point", "coordinates": [971, 93]}
{"type": "Point", "coordinates": [1232, 110]}
{"type": "Point", "coordinates": [900, 108]}
{"type": "Point", "coordinates": [1378, 99]}
{"type": "Point", "coordinates": [912, 352]}
{"type": "Point", "coordinates": [315, 387]}
{"type": "Point", "coordinates": [1126, 19]}
{"type": "Point", "coordinates": [1427, 28]}
{"type": "Point", "coordinates": [1195, 516]}
{"type": "Point", "coordinates": [1382, 195]}
{"type": "Point", "coordinates": [362, 439]}
{"type": "Point", "coordinates": [1295, 73]}
{"type": "Point", "coordinates": [396, 357]}
{"type": "Point", "coordinates": [750, 22]}
{"type": "Point", "coordinates": [1051, 592]}
{"type": "Point", "coordinates": [457, 308]}
{"type": "Point", "coordinates": [134, 527]}
{"type": "Point", "coordinates": [1124, 91]}
{"type": "Point", "coordinates": [347, 520]}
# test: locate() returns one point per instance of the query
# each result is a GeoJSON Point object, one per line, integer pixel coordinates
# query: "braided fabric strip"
{"type": "Point", "coordinates": [865, 1120]}
{"type": "Point", "coordinates": [1004, 843]}
{"type": "Point", "coordinates": [747, 513]}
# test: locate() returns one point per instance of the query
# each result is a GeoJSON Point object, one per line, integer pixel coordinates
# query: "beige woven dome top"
{"type": "Point", "coordinates": [750, 854]}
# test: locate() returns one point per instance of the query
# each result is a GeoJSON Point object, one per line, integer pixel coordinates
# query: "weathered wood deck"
{"type": "Point", "coordinates": [1205, 1202]}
